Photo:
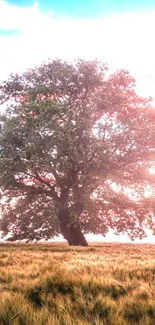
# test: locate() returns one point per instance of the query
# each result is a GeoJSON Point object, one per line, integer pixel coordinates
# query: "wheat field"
{"type": "Point", "coordinates": [110, 284]}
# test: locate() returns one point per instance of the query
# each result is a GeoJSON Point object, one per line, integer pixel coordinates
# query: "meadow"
{"type": "Point", "coordinates": [46, 284]}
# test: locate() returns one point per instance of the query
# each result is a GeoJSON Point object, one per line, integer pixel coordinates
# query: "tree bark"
{"type": "Point", "coordinates": [71, 231]}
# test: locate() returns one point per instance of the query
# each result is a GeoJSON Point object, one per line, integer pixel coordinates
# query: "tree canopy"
{"type": "Point", "coordinates": [77, 151]}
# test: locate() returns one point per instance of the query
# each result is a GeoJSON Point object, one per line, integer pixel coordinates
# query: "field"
{"type": "Point", "coordinates": [44, 284]}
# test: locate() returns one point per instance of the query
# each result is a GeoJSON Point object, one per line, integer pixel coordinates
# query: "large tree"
{"type": "Point", "coordinates": [76, 147]}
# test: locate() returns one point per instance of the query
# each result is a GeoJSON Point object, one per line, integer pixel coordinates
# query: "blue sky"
{"type": "Point", "coordinates": [118, 32]}
{"type": "Point", "coordinates": [89, 8]}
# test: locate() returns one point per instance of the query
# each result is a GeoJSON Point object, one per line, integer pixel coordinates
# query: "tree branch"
{"type": "Point", "coordinates": [37, 190]}
{"type": "Point", "coordinates": [54, 194]}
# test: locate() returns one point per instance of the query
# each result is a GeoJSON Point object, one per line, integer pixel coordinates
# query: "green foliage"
{"type": "Point", "coordinates": [74, 137]}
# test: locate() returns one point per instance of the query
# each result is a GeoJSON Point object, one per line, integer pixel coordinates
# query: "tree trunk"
{"type": "Point", "coordinates": [71, 231]}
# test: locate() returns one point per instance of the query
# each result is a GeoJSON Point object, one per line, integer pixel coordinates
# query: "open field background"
{"type": "Point", "coordinates": [112, 284]}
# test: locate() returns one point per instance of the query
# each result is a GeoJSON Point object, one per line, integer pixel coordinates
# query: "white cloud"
{"type": "Point", "coordinates": [124, 41]}
{"type": "Point", "coordinates": [14, 17]}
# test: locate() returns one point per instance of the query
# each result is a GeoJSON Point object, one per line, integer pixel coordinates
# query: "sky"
{"type": "Point", "coordinates": [118, 32]}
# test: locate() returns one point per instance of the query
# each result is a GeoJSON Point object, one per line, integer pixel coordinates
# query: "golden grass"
{"type": "Point", "coordinates": [109, 284]}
